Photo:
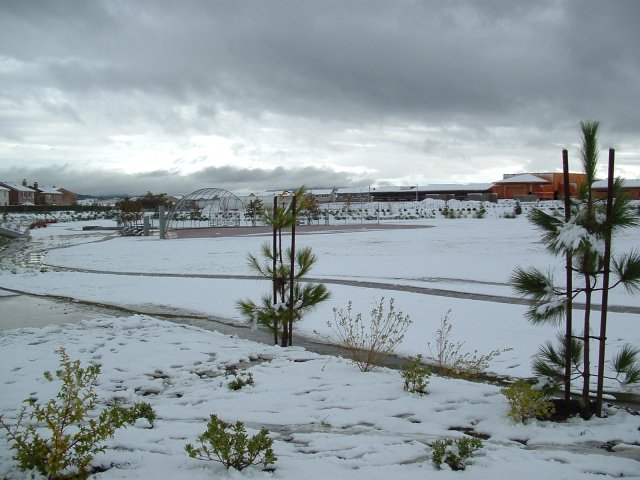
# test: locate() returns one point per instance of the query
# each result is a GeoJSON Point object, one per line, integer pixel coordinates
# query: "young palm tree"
{"type": "Point", "coordinates": [583, 237]}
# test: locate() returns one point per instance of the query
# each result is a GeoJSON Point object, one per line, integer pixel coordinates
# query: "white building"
{"type": "Point", "coordinates": [4, 196]}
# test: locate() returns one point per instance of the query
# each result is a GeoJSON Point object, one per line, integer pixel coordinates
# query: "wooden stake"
{"type": "Point", "coordinates": [292, 269]}
{"type": "Point", "coordinates": [605, 285]}
{"type": "Point", "coordinates": [569, 282]}
{"type": "Point", "coordinates": [274, 280]}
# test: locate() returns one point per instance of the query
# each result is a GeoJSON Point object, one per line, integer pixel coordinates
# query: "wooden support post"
{"type": "Point", "coordinates": [292, 268]}
{"type": "Point", "coordinates": [605, 284]}
{"type": "Point", "coordinates": [275, 277]}
{"type": "Point", "coordinates": [569, 283]}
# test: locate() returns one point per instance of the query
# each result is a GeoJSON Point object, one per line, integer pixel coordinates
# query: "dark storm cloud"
{"type": "Point", "coordinates": [120, 67]}
{"type": "Point", "coordinates": [389, 58]}
{"type": "Point", "coordinates": [100, 182]}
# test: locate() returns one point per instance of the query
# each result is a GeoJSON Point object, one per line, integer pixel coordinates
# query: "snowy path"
{"type": "Point", "coordinates": [438, 292]}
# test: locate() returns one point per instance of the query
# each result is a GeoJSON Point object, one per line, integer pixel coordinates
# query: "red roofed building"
{"type": "Point", "coordinates": [543, 186]}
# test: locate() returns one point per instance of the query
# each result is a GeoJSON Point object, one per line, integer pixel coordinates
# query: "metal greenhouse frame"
{"type": "Point", "coordinates": [206, 208]}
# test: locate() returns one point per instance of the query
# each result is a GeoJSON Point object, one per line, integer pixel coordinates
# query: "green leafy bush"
{"type": "Point", "coordinates": [230, 445]}
{"type": "Point", "coordinates": [525, 402]}
{"type": "Point", "coordinates": [455, 453]}
{"type": "Point", "coordinates": [74, 434]}
{"type": "Point", "coordinates": [415, 375]}
{"type": "Point", "coordinates": [240, 379]}
{"type": "Point", "coordinates": [141, 410]}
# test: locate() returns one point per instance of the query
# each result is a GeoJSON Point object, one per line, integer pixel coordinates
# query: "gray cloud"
{"type": "Point", "coordinates": [420, 90]}
{"type": "Point", "coordinates": [101, 182]}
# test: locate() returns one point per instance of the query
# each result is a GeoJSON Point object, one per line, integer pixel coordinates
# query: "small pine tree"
{"type": "Point", "coordinates": [289, 299]}
{"type": "Point", "coordinates": [584, 238]}
{"type": "Point", "coordinates": [517, 209]}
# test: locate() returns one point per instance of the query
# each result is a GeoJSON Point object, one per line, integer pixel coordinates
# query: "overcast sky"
{"type": "Point", "coordinates": [170, 96]}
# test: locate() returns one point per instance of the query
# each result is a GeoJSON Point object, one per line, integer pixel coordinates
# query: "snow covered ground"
{"type": "Point", "coordinates": [461, 255]}
{"type": "Point", "coordinates": [327, 419]}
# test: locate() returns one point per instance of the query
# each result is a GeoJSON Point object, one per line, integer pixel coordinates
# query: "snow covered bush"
{"type": "Point", "coordinates": [240, 379]}
{"type": "Point", "coordinates": [230, 445]}
{"type": "Point", "coordinates": [517, 209]}
{"type": "Point", "coordinates": [455, 453]}
{"type": "Point", "coordinates": [525, 402]}
{"type": "Point", "coordinates": [415, 375]}
{"type": "Point", "coordinates": [143, 410]}
{"type": "Point", "coordinates": [62, 436]}
{"type": "Point", "coordinates": [367, 345]}
{"type": "Point", "coordinates": [480, 212]}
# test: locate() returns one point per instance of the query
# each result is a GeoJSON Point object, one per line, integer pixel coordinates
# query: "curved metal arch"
{"type": "Point", "coordinates": [205, 208]}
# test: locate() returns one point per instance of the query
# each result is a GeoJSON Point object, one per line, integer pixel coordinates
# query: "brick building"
{"type": "Point", "coordinates": [543, 186]}
{"type": "Point", "coordinates": [20, 194]}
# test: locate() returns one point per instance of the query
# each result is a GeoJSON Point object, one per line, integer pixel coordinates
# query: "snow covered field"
{"type": "Point", "coordinates": [327, 419]}
{"type": "Point", "coordinates": [461, 255]}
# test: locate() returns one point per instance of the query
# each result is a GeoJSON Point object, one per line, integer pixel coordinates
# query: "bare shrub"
{"type": "Point", "coordinates": [450, 357]}
{"type": "Point", "coordinates": [367, 343]}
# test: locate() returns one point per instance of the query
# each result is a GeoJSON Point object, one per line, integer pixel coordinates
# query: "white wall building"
{"type": "Point", "coordinates": [4, 196]}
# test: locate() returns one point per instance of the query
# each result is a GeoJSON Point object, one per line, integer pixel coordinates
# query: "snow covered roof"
{"type": "Point", "coordinates": [348, 190]}
{"type": "Point", "coordinates": [49, 191]}
{"type": "Point", "coordinates": [433, 187]}
{"type": "Point", "coordinates": [395, 188]}
{"type": "Point", "coordinates": [524, 178]}
{"type": "Point", "coordinates": [271, 193]}
{"type": "Point", "coordinates": [19, 188]}
{"type": "Point", "coordinates": [453, 187]}
{"type": "Point", "coordinates": [628, 183]}
{"type": "Point", "coordinates": [437, 187]}
{"type": "Point", "coordinates": [321, 191]}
